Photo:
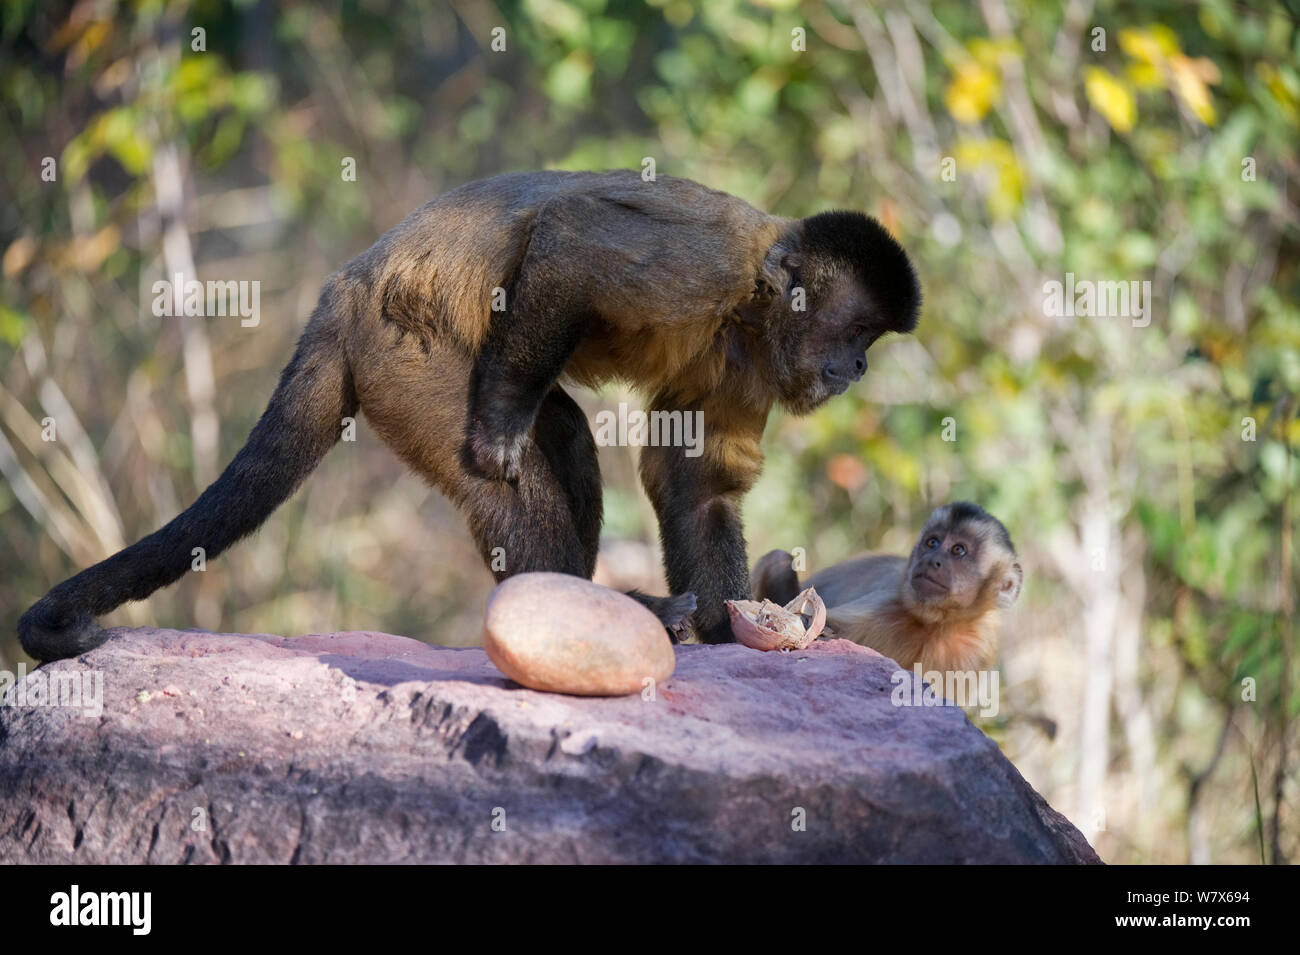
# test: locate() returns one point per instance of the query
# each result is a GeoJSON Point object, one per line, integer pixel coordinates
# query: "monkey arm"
{"type": "Point", "coordinates": [697, 500]}
{"type": "Point", "coordinates": [853, 620]}
{"type": "Point", "coordinates": [522, 356]}
{"type": "Point", "coordinates": [858, 577]}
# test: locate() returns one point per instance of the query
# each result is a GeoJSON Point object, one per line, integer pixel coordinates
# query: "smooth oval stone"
{"type": "Point", "coordinates": [565, 634]}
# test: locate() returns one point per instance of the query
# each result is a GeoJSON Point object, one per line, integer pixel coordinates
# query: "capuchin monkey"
{"type": "Point", "coordinates": [453, 333]}
{"type": "Point", "coordinates": [939, 607]}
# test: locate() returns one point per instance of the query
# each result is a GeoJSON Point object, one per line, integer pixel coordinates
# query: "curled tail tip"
{"type": "Point", "coordinates": [48, 635]}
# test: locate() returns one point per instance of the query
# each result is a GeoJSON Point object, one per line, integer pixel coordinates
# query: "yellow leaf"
{"type": "Point", "coordinates": [974, 90]}
{"type": "Point", "coordinates": [1145, 76]}
{"type": "Point", "coordinates": [987, 52]}
{"type": "Point", "coordinates": [1191, 82]}
{"type": "Point", "coordinates": [1004, 191]}
{"type": "Point", "coordinates": [1166, 39]}
{"type": "Point", "coordinates": [1152, 45]}
{"type": "Point", "coordinates": [1286, 94]}
{"type": "Point", "coordinates": [1112, 98]}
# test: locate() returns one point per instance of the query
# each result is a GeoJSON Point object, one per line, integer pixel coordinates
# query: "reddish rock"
{"type": "Point", "coordinates": [364, 747]}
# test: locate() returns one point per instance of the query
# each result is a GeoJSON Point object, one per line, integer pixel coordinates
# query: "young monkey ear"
{"type": "Point", "coordinates": [1009, 589]}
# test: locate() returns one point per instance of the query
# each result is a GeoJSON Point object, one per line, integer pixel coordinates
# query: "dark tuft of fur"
{"type": "Point", "coordinates": [963, 512]}
{"type": "Point", "coordinates": [879, 262]}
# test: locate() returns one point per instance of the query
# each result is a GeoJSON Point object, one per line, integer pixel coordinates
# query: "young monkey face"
{"type": "Point", "coordinates": [963, 561]}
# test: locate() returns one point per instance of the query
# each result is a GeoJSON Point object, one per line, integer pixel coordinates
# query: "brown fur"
{"type": "Point", "coordinates": [417, 320]}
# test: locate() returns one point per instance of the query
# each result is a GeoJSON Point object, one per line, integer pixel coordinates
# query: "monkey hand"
{"type": "Point", "coordinates": [498, 457]}
{"type": "Point", "coordinates": [673, 612]}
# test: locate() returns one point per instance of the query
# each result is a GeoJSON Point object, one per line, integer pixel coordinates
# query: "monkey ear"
{"type": "Point", "coordinates": [791, 273]}
{"type": "Point", "coordinates": [780, 267]}
{"type": "Point", "coordinates": [1009, 589]}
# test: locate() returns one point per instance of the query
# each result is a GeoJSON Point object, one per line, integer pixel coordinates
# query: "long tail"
{"type": "Point", "coordinates": [301, 423]}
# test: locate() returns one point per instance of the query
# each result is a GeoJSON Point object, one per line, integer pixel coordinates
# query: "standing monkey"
{"type": "Point", "coordinates": [938, 607]}
{"type": "Point", "coordinates": [452, 335]}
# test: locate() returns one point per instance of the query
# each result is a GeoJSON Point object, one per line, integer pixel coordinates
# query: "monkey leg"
{"type": "Point", "coordinates": [548, 518]}
{"type": "Point", "coordinates": [697, 500]}
{"type": "Point", "coordinates": [416, 399]}
{"type": "Point", "coordinates": [524, 353]}
{"type": "Point", "coordinates": [774, 578]}
{"type": "Point", "coordinates": [568, 450]}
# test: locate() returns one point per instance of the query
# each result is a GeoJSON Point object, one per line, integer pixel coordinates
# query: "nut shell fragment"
{"type": "Point", "coordinates": [763, 625]}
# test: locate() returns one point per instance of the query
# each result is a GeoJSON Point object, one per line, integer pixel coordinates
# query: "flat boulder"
{"type": "Point", "coordinates": [369, 748]}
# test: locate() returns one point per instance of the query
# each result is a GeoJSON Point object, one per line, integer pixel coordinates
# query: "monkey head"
{"type": "Point", "coordinates": [830, 286]}
{"type": "Point", "coordinates": [963, 565]}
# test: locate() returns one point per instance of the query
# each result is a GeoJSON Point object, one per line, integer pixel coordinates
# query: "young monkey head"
{"type": "Point", "coordinates": [963, 566]}
{"type": "Point", "coordinates": [938, 607]}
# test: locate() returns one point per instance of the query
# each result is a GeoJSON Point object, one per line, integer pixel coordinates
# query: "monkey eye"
{"type": "Point", "coordinates": [959, 550]}
{"type": "Point", "coordinates": [932, 543]}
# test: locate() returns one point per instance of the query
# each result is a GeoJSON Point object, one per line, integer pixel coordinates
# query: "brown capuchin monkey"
{"type": "Point", "coordinates": [939, 607]}
{"type": "Point", "coordinates": [454, 333]}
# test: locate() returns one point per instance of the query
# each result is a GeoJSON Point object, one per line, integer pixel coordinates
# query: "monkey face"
{"type": "Point", "coordinates": [824, 346]}
{"type": "Point", "coordinates": [943, 569]}
{"type": "Point", "coordinates": [843, 285]}
{"type": "Point", "coordinates": [963, 561]}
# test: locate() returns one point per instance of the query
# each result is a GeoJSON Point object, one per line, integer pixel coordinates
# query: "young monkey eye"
{"type": "Point", "coordinates": [959, 550]}
{"type": "Point", "coordinates": [932, 543]}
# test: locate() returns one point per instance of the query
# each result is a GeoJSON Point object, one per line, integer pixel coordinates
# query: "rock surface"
{"type": "Point", "coordinates": [565, 634]}
{"type": "Point", "coordinates": [365, 747]}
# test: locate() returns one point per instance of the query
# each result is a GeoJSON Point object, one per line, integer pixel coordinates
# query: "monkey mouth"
{"type": "Point", "coordinates": [807, 400]}
{"type": "Point", "coordinates": [836, 386]}
{"type": "Point", "coordinates": [926, 583]}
